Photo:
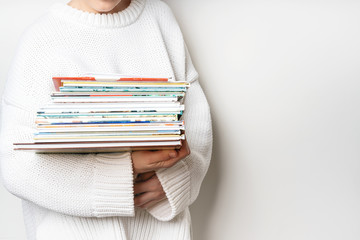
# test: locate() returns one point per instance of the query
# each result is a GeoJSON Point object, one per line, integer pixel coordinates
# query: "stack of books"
{"type": "Point", "coordinates": [110, 114]}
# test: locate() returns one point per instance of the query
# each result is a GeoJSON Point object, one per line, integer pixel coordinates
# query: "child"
{"type": "Point", "coordinates": [94, 196]}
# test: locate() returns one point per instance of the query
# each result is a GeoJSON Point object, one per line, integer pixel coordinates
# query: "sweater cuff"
{"type": "Point", "coordinates": [176, 184]}
{"type": "Point", "coordinates": [113, 185]}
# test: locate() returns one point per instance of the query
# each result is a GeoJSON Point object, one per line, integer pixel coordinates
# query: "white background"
{"type": "Point", "coordinates": [283, 82]}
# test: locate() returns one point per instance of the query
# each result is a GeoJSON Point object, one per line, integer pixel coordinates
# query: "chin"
{"type": "Point", "coordinates": [105, 6]}
{"type": "Point", "coordinates": [104, 9]}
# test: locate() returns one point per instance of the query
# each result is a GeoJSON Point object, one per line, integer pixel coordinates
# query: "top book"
{"type": "Point", "coordinates": [108, 78]}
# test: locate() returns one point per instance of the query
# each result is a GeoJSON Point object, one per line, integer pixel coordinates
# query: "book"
{"type": "Point", "coordinates": [110, 113]}
{"type": "Point", "coordinates": [57, 81]}
{"type": "Point", "coordinates": [96, 147]}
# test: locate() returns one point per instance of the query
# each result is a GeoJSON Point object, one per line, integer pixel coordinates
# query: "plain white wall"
{"type": "Point", "coordinates": [283, 81]}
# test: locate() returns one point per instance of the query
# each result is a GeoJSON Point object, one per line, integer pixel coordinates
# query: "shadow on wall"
{"type": "Point", "coordinates": [202, 209]}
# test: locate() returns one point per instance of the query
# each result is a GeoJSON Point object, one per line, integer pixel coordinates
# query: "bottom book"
{"type": "Point", "coordinates": [96, 147]}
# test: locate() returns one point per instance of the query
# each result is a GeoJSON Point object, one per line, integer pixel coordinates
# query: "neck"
{"type": "Point", "coordinates": [87, 7]}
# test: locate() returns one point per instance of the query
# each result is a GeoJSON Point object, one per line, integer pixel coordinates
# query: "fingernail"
{"type": "Point", "coordinates": [173, 154]}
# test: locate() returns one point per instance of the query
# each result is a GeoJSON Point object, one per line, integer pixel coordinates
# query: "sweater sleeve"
{"type": "Point", "coordinates": [182, 182]}
{"type": "Point", "coordinates": [87, 185]}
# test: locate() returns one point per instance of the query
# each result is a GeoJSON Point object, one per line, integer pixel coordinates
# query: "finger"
{"type": "Point", "coordinates": [144, 161]}
{"type": "Point", "coordinates": [162, 155]}
{"type": "Point", "coordinates": [151, 203]}
{"type": "Point", "coordinates": [153, 184]}
{"type": "Point", "coordinates": [184, 150]}
{"type": "Point", "coordinates": [148, 197]}
{"type": "Point", "coordinates": [144, 176]}
{"type": "Point", "coordinates": [168, 163]}
{"type": "Point", "coordinates": [182, 153]}
{"type": "Point", "coordinates": [140, 187]}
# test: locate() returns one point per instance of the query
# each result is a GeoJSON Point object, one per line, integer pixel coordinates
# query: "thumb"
{"type": "Point", "coordinates": [162, 155]}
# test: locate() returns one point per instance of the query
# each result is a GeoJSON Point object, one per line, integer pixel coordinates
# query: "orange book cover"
{"type": "Point", "coordinates": [57, 80]}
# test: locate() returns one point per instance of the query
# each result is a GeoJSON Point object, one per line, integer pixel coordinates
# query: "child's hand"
{"type": "Point", "coordinates": [147, 161]}
{"type": "Point", "coordinates": [148, 190]}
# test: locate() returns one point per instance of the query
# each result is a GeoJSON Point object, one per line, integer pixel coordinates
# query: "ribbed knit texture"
{"type": "Point", "coordinates": [90, 196]}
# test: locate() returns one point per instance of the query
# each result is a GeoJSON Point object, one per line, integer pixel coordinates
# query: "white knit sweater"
{"type": "Point", "coordinates": [90, 196]}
